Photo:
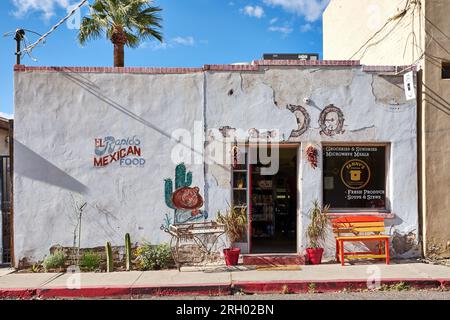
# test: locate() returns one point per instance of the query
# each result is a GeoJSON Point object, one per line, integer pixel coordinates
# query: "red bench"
{"type": "Point", "coordinates": [360, 228]}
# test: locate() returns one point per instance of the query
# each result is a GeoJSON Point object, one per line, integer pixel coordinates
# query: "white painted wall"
{"type": "Point", "coordinates": [374, 108]}
{"type": "Point", "coordinates": [57, 122]}
{"type": "Point", "coordinates": [60, 114]}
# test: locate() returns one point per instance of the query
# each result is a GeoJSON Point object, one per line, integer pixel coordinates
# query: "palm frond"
{"type": "Point", "coordinates": [90, 29]}
{"type": "Point", "coordinates": [133, 41]}
{"type": "Point", "coordinates": [138, 19]}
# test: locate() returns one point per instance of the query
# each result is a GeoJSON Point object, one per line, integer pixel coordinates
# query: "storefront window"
{"type": "Point", "coordinates": [354, 177]}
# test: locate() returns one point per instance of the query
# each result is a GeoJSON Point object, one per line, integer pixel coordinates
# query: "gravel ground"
{"type": "Point", "coordinates": [373, 295]}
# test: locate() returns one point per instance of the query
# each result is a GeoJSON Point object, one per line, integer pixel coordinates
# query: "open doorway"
{"type": "Point", "coordinates": [274, 205]}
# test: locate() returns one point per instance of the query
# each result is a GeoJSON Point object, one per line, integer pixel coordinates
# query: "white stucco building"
{"type": "Point", "coordinates": [115, 138]}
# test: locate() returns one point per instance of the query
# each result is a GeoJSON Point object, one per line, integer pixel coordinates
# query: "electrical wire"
{"type": "Point", "coordinates": [399, 15]}
{"type": "Point", "coordinates": [29, 48]}
{"type": "Point", "coordinates": [27, 43]}
{"type": "Point", "coordinates": [23, 39]}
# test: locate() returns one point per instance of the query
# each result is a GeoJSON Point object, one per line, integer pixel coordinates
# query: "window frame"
{"type": "Point", "coordinates": [387, 145]}
{"type": "Point", "coordinates": [445, 65]}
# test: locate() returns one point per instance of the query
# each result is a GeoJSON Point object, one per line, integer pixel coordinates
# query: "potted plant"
{"type": "Point", "coordinates": [316, 232]}
{"type": "Point", "coordinates": [240, 183]}
{"type": "Point", "coordinates": [235, 222]}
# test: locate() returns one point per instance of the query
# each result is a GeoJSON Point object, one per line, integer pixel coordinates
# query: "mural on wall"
{"type": "Point", "coordinates": [186, 201]}
{"type": "Point", "coordinates": [126, 151]}
{"type": "Point", "coordinates": [254, 133]}
{"type": "Point", "coordinates": [227, 131]}
{"type": "Point", "coordinates": [331, 121]}
{"type": "Point", "coordinates": [303, 120]}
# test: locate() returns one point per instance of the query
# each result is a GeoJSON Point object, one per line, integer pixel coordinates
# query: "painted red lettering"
{"type": "Point", "coordinates": [98, 162]}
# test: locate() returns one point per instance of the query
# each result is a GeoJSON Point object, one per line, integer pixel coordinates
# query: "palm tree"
{"type": "Point", "coordinates": [124, 22]}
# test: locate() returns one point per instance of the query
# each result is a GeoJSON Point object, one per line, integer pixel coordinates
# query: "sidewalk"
{"type": "Point", "coordinates": [220, 281]}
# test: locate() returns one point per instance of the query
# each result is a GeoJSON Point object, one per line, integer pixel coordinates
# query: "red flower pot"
{"type": "Point", "coordinates": [231, 256]}
{"type": "Point", "coordinates": [314, 255]}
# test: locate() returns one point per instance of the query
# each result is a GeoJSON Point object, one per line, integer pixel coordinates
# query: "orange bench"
{"type": "Point", "coordinates": [360, 228]}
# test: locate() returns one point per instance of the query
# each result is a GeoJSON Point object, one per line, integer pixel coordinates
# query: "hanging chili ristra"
{"type": "Point", "coordinates": [312, 154]}
{"type": "Point", "coordinates": [235, 156]}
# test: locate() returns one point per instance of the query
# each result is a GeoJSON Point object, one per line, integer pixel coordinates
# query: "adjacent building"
{"type": "Point", "coordinates": [5, 191]}
{"type": "Point", "coordinates": [408, 32]}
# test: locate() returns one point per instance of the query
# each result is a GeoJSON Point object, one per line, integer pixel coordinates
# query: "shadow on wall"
{"type": "Point", "coordinates": [33, 166]}
{"type": "Point", "coordinates": [93, 89]}
{"type": "Point", "coordinates": [436, 100]}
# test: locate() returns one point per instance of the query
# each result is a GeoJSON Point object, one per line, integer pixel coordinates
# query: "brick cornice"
{"type": "Point", "coordinates": [332, 63]}
{"type": "Point", "coordinates": [254, 66]}
{"type": "Point", "coordinates": [138, 70]}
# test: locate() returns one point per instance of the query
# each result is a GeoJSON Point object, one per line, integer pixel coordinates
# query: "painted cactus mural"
{"type": "Point", "coordinates": [185, 200]}
{"type": "Point", "coordinates": [182, 179]}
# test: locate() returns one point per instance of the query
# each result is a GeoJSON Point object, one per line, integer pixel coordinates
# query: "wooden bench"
{"type": "Point", "coordinates": [360, 228]}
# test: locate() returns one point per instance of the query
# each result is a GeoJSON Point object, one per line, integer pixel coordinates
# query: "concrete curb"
{"type": "Point", "coordinates": [17, 293]}
{"type": "Point", "coordinates": [164, 290]}
{"type": "Point", "coordinates": [322, 286]}
{"type": "Point", "coordinates": [213, 289]}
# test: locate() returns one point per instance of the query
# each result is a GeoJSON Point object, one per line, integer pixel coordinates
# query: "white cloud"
{"type": "Point", "coordinates": [6, 115]}
{"type": "Point", "coordinates": [306, 27]}
{"type": "Point", "coordinates": [285, 30]}
{"type": "Point", "coordinates": [187, 41]}
{"type": "Point", "coordinates": [46, 7]}
{"type": "Point", "coordinates": [310, 9]}
{"type": "Point", "coordinates": [253, 11]}
{"type": "Point", "coordinates": [155, 45]}
{"type": "Point", "coordinates": [272, 21]}
{"type": "Point", "coordinates": [174, 42]}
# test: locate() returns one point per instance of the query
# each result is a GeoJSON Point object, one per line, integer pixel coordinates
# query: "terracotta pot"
{"type": "Point", "coordinates": [231, 256]}
{"type": "Point", "coordinates": [314, 255]}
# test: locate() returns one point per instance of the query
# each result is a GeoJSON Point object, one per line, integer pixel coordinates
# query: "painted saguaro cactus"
{"type": "Point", "coordinates": [184, 199]}
{"type": "Point", "coordinates": [182, 179]}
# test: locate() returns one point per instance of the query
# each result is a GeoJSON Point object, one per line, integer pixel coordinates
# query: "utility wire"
{"type": "Point", "coordinates": [401, 14]}
{"type": "Point", "coordinates": [20, 35]}
{"type": "Point", "coordinates": [29, 48]}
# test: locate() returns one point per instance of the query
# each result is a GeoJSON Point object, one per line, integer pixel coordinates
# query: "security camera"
{"type": "Point", "coordinates": [307, 100]}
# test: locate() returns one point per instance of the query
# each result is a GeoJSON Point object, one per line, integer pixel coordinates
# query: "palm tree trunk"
{"type": "Point", "coordinates": [119, 55]}
{"type": "Point", "coordinates": [119, 39]}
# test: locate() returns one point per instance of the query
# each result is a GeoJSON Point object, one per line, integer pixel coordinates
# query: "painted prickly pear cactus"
{"type": "Point", "coordinates": [185, 200]}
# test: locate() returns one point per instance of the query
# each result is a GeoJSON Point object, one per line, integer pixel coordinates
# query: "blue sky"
{"type": "Point", "coordinates": [196, 32]}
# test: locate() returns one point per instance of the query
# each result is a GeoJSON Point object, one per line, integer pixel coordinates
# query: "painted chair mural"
{"type": "Point", "coordinates": [185, 200]}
